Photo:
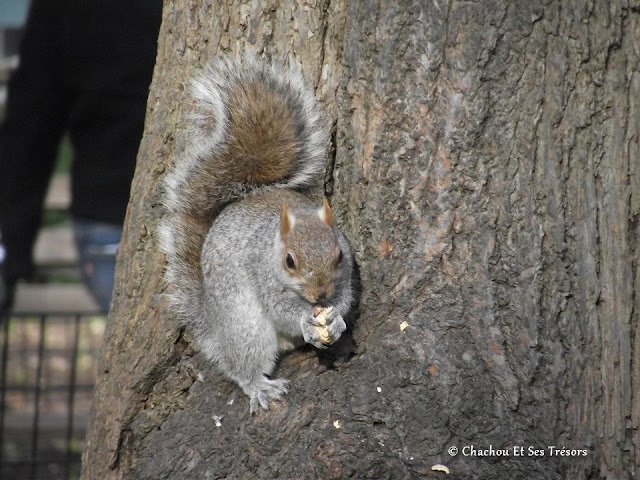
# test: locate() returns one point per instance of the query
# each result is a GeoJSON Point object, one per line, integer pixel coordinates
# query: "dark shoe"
{"type": "Point", "coordinates": [7, 291]}
{"type": "Point", "coordinates": [7, 288]}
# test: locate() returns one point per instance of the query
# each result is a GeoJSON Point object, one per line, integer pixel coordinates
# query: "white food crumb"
{"type": "Point", "coordinates": [440, 468]}
{"type": "Point", "coordinates": [217, 419]}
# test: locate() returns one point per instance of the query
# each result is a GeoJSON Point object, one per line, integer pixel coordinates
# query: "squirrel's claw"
{"type": "Point", "coordinates": [264, 389]}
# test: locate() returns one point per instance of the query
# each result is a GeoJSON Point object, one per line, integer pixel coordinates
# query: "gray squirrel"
{"type": "Point", "coordinates": [251, 260]}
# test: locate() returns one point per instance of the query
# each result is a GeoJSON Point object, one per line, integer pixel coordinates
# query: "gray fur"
{"type": "Point", "coordinates": [240, 305]}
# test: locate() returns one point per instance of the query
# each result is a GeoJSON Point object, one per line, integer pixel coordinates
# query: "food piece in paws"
{"type": "Point", "coordinates": [321, 316]}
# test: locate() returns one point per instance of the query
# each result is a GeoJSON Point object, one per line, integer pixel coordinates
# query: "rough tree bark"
{"type": "Point", "coordinates": [485, 169]}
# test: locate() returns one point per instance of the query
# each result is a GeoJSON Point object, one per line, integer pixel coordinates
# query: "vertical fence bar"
{"type": "Point", "coordinates": [4, 319]}
{"type": "Point", "coordinates": [36, 414]}
{"type": "Point", "coordinates": [72, 395]}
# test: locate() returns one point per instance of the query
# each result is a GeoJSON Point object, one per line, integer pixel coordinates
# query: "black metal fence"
{"type": "Point", "coordinates": [47, 374]}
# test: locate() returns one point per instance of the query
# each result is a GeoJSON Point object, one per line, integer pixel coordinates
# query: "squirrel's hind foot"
{"type": "Point", "coordinates": [264, 389]}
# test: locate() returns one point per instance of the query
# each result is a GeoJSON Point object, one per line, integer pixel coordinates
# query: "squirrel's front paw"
{"type": "Point", "coordinates": [313, 333]}
{"type": "Point", "coordinates": [335, 325]}
{"type": "Point", "coordinates": [323, 328]}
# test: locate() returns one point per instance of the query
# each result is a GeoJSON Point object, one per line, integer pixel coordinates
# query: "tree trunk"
{"type": "Point", "coordinates": [485, 171]}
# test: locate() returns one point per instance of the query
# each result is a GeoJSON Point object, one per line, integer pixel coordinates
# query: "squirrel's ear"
{"type": "Point", "coordinates": [325, 213]}
{"type": "Point", "coordinates": [286, 221]}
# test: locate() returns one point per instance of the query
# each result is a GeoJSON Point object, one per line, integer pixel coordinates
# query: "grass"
{"type": "Point", "coordinates": [52, 218]}
{"type": "Point", "coordinates": [63, 160]}
{"type": "Point", "coordinates": [63, 166]}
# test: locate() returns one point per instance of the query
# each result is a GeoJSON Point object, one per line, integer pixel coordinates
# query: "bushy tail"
{"type": "Point", "coordinates": [254, 126]}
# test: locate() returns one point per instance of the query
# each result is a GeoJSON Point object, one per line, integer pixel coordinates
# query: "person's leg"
{"type": "Point", "coordinates": [35, 117]}
{"type": "Point", "coordinates": [97, 244]}
{"type": "Point", "coordinates": [113, 52]}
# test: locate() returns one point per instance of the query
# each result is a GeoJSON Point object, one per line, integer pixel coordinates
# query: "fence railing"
{"type": "Point", "coordinates": [47, 374]}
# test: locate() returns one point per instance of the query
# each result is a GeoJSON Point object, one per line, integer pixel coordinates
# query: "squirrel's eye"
{"type": "Point", "coordinates": [291, 264]}
{"type": "Point", "coordinates": [340, 255]}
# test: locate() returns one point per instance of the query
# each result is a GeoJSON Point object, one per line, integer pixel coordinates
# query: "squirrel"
{"type": "Point", "coordinates": [250, 258]}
